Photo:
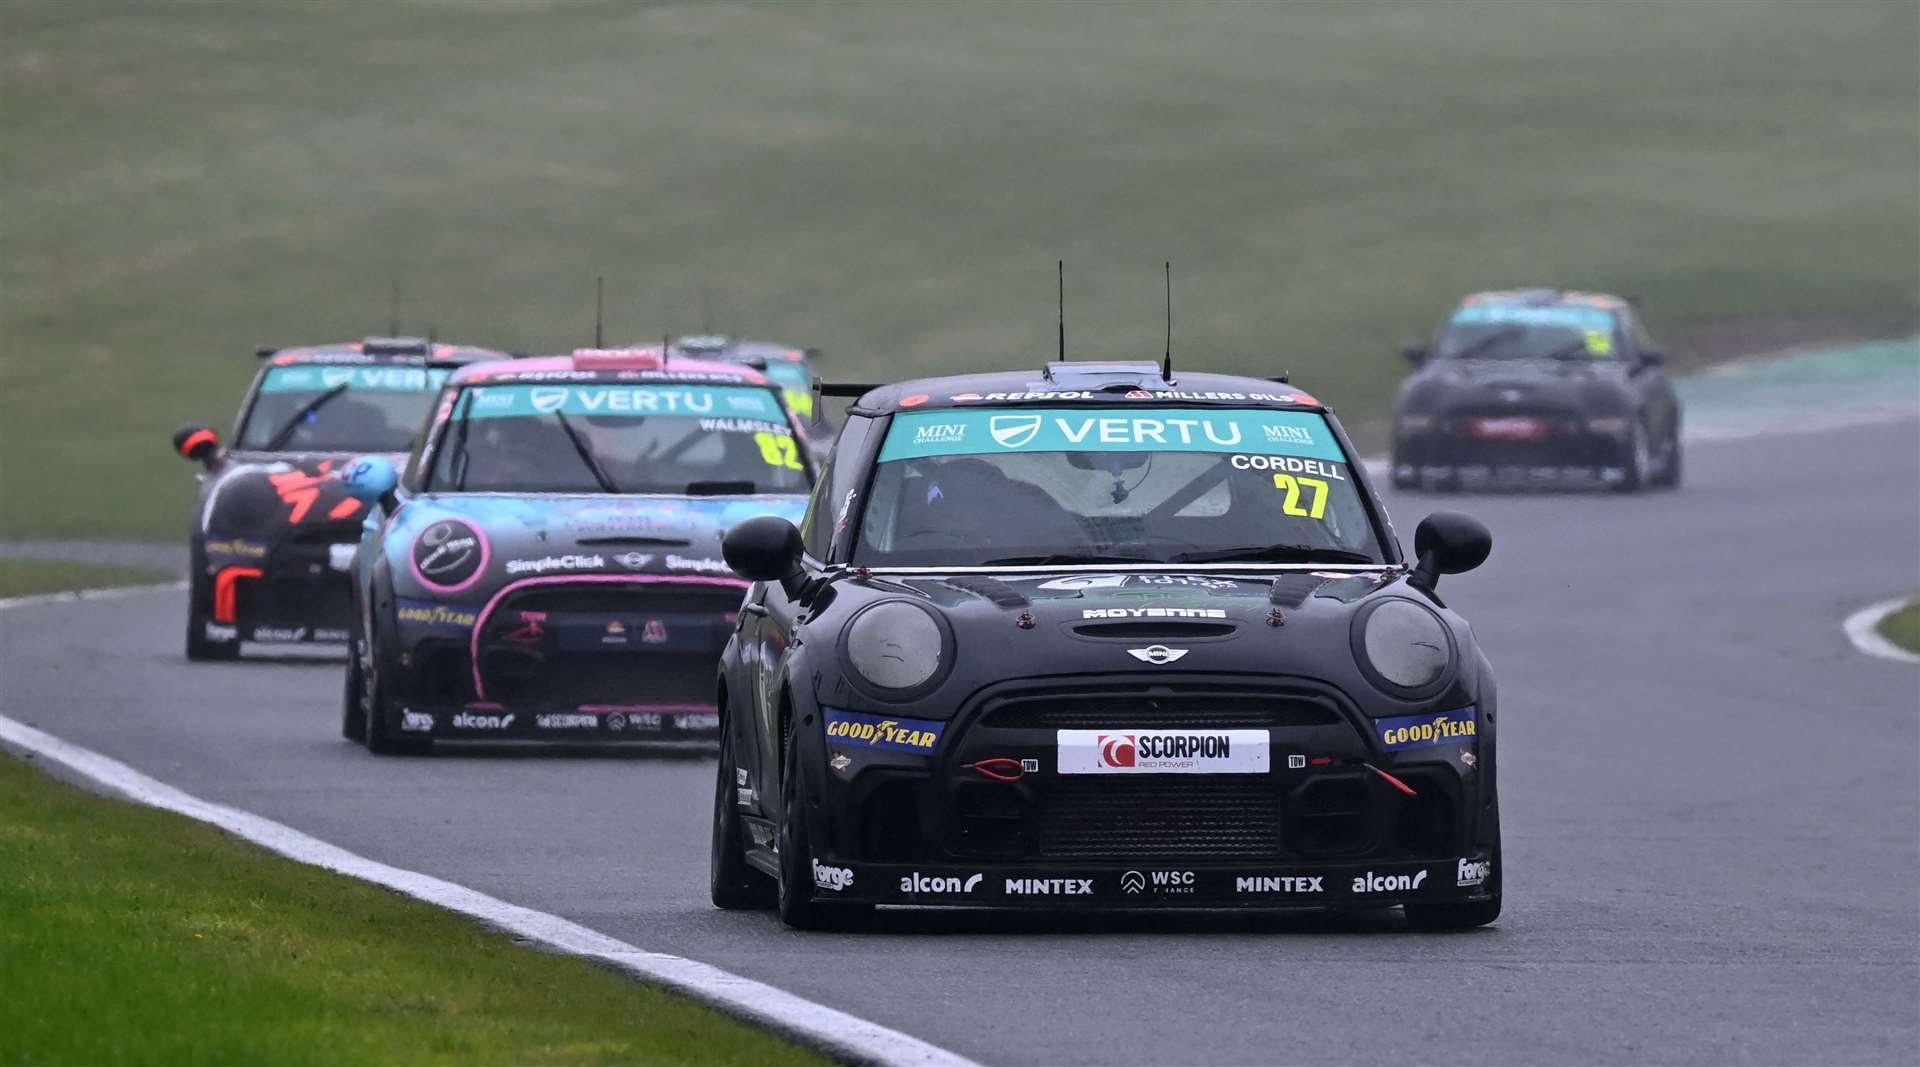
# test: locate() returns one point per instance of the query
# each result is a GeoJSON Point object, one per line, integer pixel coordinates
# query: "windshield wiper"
{"type": "Point", "coordinates": [285, 433]}
{"type": "Point", "coordinates": [586, 454]}
{"type": "Point", "coordinates": [722, 488]}
{"type": "Point", "coordinates": [1062, 557]}
{"type": "Point", "coordinates": [1274, 554]}
{"type": "Point", "coordinates": [1505, 333]}
{"type": "Point", "coordinates": [1574, 349]}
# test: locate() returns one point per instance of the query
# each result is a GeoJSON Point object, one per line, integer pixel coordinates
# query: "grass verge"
{"type": "Point", "coordinates": [135, 936]}
{"type": "Point", "coordinates": [26, 577]}
{"type": "Point", "coordinates": [1903, 627]}
{"type": "Point", "coordinates": [893, 182]}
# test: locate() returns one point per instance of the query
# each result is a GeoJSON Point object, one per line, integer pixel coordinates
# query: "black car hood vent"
{"type": "Point", "coordinates": [1292, 589]}
{"type": "Point", "coordinates": [990, 589]}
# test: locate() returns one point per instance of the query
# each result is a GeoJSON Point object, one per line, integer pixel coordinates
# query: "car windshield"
{"type": "Point", "coordinates": [327, 408]}
{"type": "Point", "coordinates": [617, 438]}
{"type": "Point", "coordinates": [1528, 331]}
{"type": "Point", "coordinates": [1014, 486]}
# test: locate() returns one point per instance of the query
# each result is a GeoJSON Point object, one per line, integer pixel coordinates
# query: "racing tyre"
{"type": "Point", "coordinates": [1639, 460]}
{"type": "Point", "coordinates": [1669, 476]}
{"type": "Point", "coordinates": [734, 883]}
{"type": "Point", "coordinates": [798, 907]}
{"type": "Point", "coordinates": [199, 610]}
{"type": "Point", "coordinates": [353, 711]}
{"type": "Point", "coordinates": [1402, 481]}
{"type": "Point", "coordinates": [376, 714]}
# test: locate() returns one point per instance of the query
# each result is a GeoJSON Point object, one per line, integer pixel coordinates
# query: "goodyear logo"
{"type": "Point", "coordinates": [1419, 731]}
{"type": "Point", "coordinates": [873, 731]}
{"type": "Point", "coordinates": [436, 615]}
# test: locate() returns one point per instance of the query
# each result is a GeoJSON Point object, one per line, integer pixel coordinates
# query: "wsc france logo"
{"type": "Point", "coordinates": [1013, 431]}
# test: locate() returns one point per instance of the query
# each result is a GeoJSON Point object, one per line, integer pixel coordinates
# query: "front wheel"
{"type": "Point", "coordinates": [734, 884]}
{"type": "Point", "coordinates": [376, 712]}
{"type": "Point", "coordinates": [353, 711]}
{"type": "Point", "coordinates": [1639, 460]}
{"type": "Point", "coordinates": [1669, 476]}
{"type": "Point", "coordinates": [799, 908]}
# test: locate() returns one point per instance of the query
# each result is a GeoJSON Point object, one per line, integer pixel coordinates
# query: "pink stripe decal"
{"type": "Point", "coordinates": [473, 644]}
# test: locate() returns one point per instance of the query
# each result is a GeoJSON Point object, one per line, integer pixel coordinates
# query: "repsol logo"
{"type": "Point", "coordinates": [1388, 883]}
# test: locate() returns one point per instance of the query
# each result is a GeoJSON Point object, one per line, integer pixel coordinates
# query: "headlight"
{"type": "Point", "coordinates": [895, 645]}
{"type": "Point", "coordinates": [1404, 645]}
{"type": "Point", "coordinates": [1612, 426]}
{"type": "Point", "coordinates": [1415, 422]}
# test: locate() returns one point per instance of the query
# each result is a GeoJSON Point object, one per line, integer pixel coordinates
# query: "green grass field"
{"type": "Point", "coordinates": [26, 577]}
{"type": "Point", "coordinates": [134, 936]}
{"type": "Point", "coordinates": [894, 183]}
{"type": "Point", "coordinates": [1903, 627]}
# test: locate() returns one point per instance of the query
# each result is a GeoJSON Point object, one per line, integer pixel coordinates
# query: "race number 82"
{"type": "Point", "coordinates": [778, 450]}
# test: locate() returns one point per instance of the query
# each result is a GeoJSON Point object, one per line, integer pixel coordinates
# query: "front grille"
{"type": "Point", "coordinates": [1187, 816]}
{"type": "Point", "coordinates": [606, 643]}
{"type": "Point", "coordinates": [1155, 707]}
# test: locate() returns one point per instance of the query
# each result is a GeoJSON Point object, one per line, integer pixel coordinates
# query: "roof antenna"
{"type": "Point", "coordinates": [706, 310]}
{"type": "Point", "coordinates": [1062, 265]}
{"type": "Point", "coordinates": [599, 306]}
{"type": "Point", "coordinates": [393, 307]}
{"type": "Point", "coordinates": [666, 348]}
{"type": "Point", "coordinates": [432, 334]}
{"type": "Point", "coordinates": [1166, 368]}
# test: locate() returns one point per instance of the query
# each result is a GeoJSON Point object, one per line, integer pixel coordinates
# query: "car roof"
{"type": "Point", "coordinates": [412, 351]}
{"type": "Point", "coordinates": [643, 367]}
{"type": "Point", "coordinates": [1547, 297]}
{"type": "Point", "coordinates": [721, 347]}
{"type": "Point", "coordinates": [1085, 382]}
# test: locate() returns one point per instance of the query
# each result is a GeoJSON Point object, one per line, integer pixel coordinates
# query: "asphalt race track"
{"type": "Point", "coordinates": [1710, 805]}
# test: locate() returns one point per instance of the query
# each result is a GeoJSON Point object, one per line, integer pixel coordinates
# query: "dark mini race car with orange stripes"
{"type": "Point", "coordinates": [273, 531]}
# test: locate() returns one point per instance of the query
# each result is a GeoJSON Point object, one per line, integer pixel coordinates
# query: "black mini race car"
{"type": "Point", "coordinates": [1537, 387]}
{"type": "Point", "coordinates": [273, 531]}
{"type": "Point", "coordinates": [1101, 637]}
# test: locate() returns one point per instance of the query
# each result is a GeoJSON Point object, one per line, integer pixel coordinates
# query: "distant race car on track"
{"type": "Point", "coordinates": [1538, 386]}
{"type": "Point", "coordinates": [789, 368]}
{"type": "Point", "coordinates": [1098, 637]}
{"type": "Point", "coordinates": [549, 564]}
{"type": "Point", "coordinates": [272, 532]}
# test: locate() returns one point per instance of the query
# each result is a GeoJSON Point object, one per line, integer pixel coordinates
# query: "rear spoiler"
{"type": "Point", "coordinates": [843, 389]}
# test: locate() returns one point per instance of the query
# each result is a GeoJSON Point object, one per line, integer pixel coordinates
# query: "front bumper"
{"type": "Point", "coordinates": [1003, 797]}
{"type": "Point", "coordinates": [1511, 446]}
{"type": "Point", "coordinates": [546, 722]}
{"type": "Point", "coordinates": [1158, 885]}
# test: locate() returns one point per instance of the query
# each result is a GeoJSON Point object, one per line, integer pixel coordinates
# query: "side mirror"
{"type": "Point", "coordinates": [371, 479]}
{"type": "Point", "coordinates": [1652, 358]}
{"type": "Point", "coordinates": [1415, 353]}
{"type": "Point", "coordinates": [197, 441]}
{"type": "Point", "coordinates": [1447, 542]}
{"type": "Point", "coordinates": [764, 549]}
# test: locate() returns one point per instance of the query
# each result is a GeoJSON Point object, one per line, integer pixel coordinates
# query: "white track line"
{"type": "Point", "coordinates": [1863, 629]}
{"type": "Point", "coordinates": [845, 1037]}
{"type": "Point", "coordinates": [109, 593]}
